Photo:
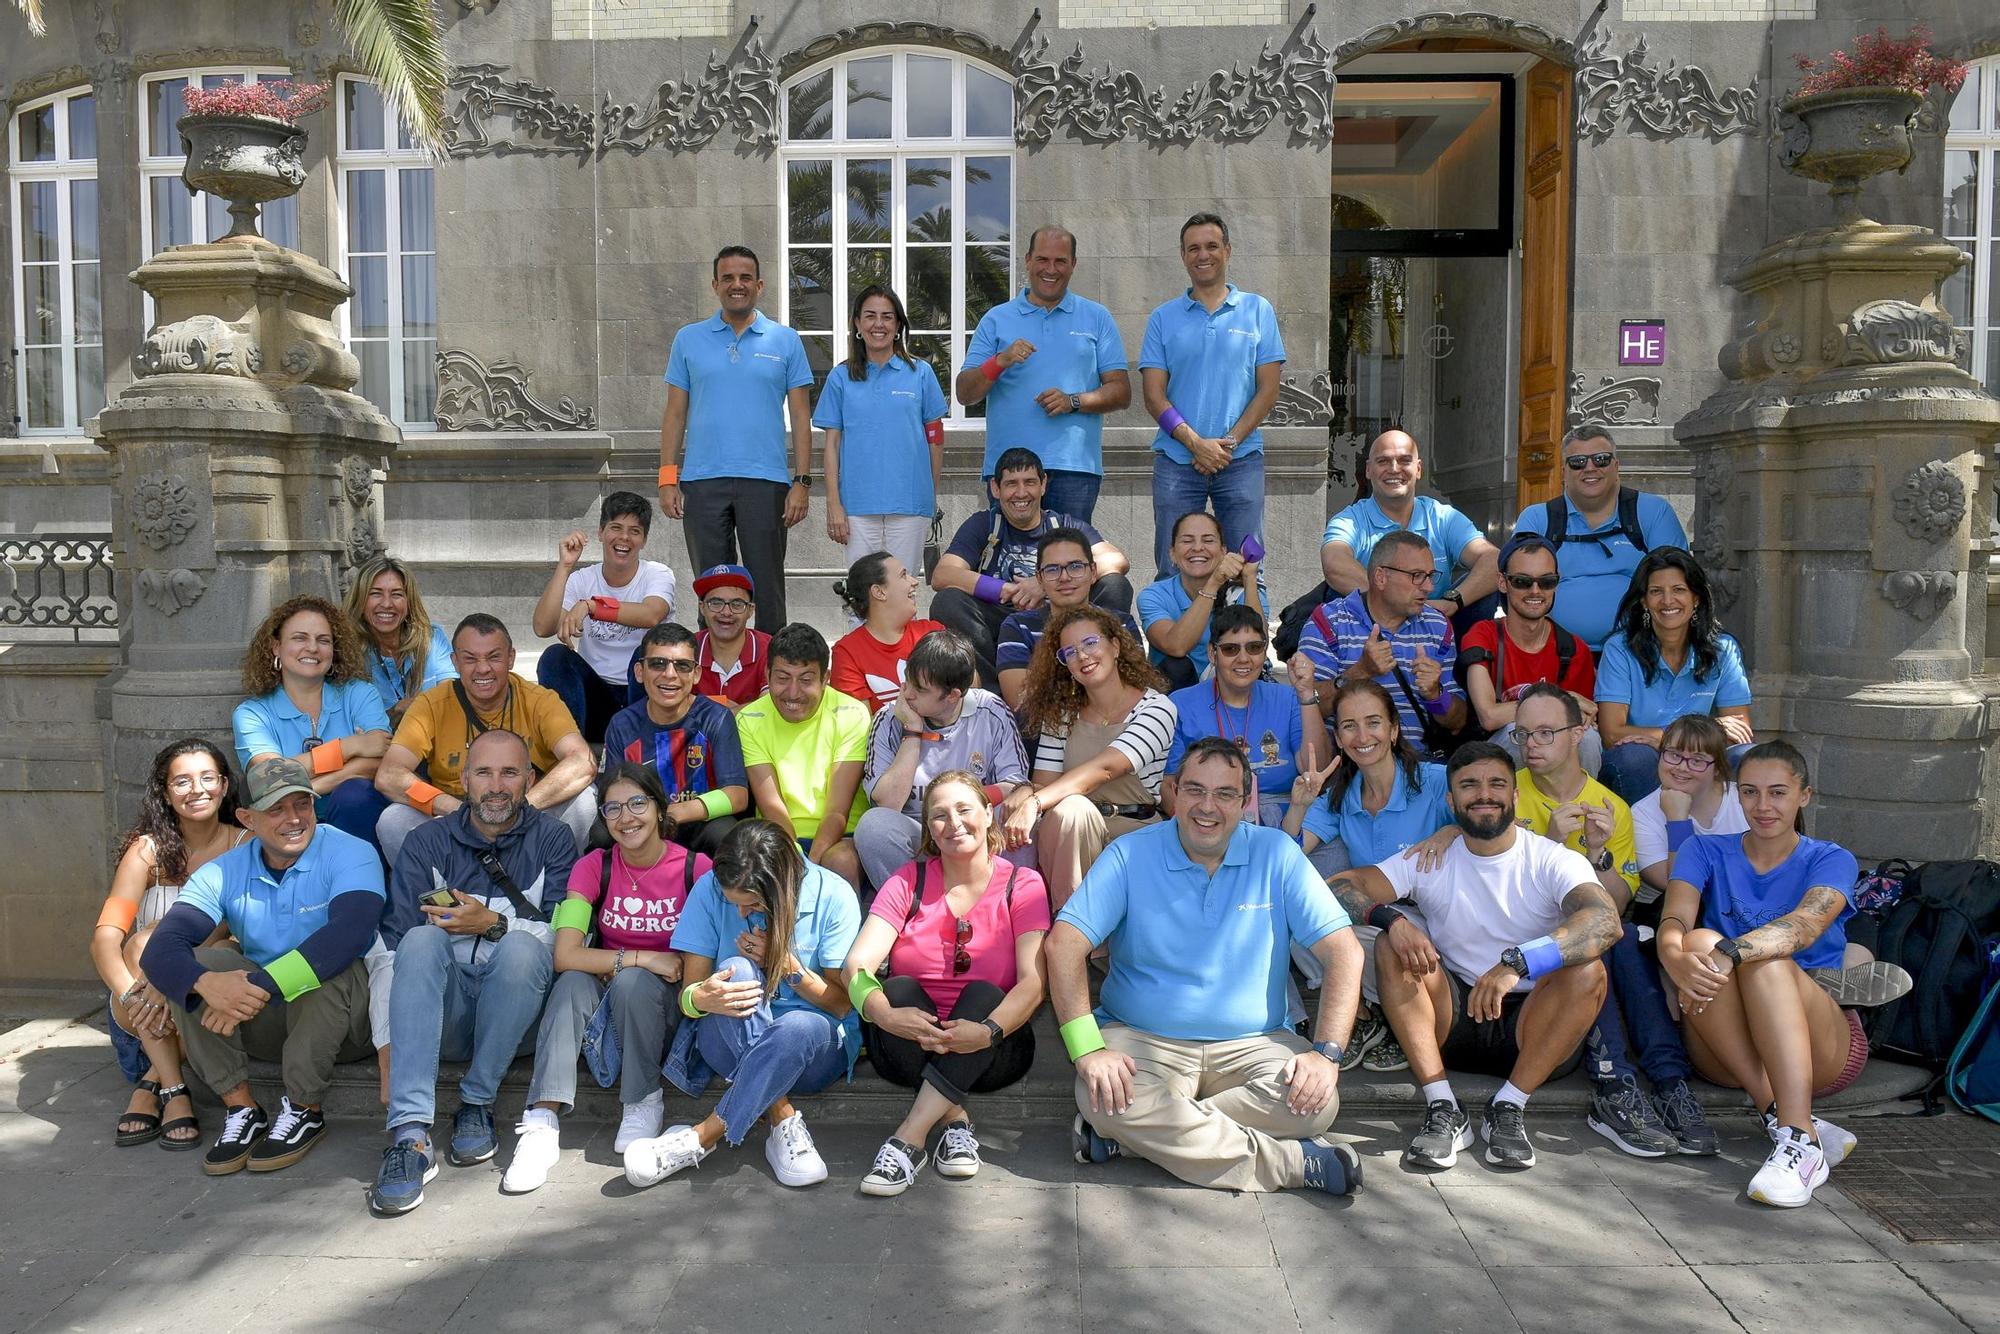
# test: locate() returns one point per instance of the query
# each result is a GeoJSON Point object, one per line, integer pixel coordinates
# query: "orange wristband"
{"type": "Point", "coordinates": [327, 757]}
{"type": "Point", "coordinates": [670, 474]}
{"type": "Point", "coordinates": [120, 913]}
{"type": "Point", "coordinates": [422, 795]}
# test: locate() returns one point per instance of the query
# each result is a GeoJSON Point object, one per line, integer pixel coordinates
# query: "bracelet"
{"type": "Point", "coordinates": [603, 609]}
{"type": "Point", "coordinates": [1309, 699]}
{"type": "Point", "coordinates": [991, 368]}
{"type": "Point", "coordinates": [1670, 918]}
{"type": "Point", "coordinates": [687, 1003]}
{"type": "Point", "coordinates": [1081, 1036]}
{"type": "Point", "coordinates": [327, 757]}
{"type": "Point", "coordinates": [125, 996]}
{"type": "Point", "coordinates": [670, 474]}
{"type": "Point", "coordinates": [1205, 593]}
{"type": "Point", "coordinates": [1543, 956]}
{"type": "Point", "coordinates": [864, 985]}
{"type": "Point", "coordinates": [1171, 421]}
{"type": "Point", "coordinates": [988, 589]}
{"type": "Point", "coordinates": [716, 802]}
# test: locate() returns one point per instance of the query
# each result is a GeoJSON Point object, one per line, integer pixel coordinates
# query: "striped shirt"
{"type": "Point", "coordinates": [1351, 622]}
{"type": "Point", "coordinates": [1145, 739]}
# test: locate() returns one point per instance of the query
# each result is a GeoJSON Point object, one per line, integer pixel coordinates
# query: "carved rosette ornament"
{"type": "Point", "coordinates": [162, 509]}
{"type": "Point", "coordinates": [1920, 594]}
{"type": "Point", "coordinates": [1931, 502]}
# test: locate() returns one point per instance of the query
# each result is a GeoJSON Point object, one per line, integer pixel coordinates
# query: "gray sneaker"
{"type": "Point", "coordinates": [1876, 982]}
{"type": "Point", "coordinates": [1386, 1056]}
{"type": "Point", "coordinates": [1680, 1112]}
{"type": "Point", "coordinates": [1621, 1114]}
{"type": "Point", "coordinates": [1369, 1033]}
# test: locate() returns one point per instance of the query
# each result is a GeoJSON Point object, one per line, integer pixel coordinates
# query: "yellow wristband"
{"type": "Point", "coordinates": [687, 1004]}
{"type": "Point", "coordinates": [1081, 1036]}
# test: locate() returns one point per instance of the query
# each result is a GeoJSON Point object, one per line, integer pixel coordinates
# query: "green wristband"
{"type": "Point", "coordinates": [1081, 1037]}
{"type": "Point", "coordinates": [573, 913]}
{"type": "Point", "coordinates": [687, 1004]}
{"type": "Point", "coordinates": [862, 987]}
{"type": "Point", "coordinates": [716, 803]}
{"type": "Point", "coordinates": [294, 976]}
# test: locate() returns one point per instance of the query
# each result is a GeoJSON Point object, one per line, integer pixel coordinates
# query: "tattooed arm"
{"type": "Point", "coordinates": [1590, 925]}
{"type": "Point", "coordinates": [1360, 889]}
{"type": "Point", "coordinates": [1796, 930]}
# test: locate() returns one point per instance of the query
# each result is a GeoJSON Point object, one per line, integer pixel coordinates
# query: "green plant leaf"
{"type": "Point", "coordinates": [399, 45]}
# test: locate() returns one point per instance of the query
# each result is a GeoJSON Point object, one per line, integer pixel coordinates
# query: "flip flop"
{"type": "Point", "coordinates": [149, 1128]}
{"type": "Point", "coordinates": [167, 1139]}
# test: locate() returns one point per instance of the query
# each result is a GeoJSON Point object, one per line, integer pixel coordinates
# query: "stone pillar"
{"type": "Point", "coordinates": [246, 470]}
{"type": "Point", "coordinates": [1843, 510]}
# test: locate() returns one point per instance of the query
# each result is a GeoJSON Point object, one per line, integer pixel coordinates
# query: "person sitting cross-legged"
{"type": "Point", "coordinates": [686, 738]}
{"type": "Point", "coordinates": [1196, 1067]}
{"type": "Point", "coordinates": [961, 930]}
{"type": "Point", "coordinates": [1505, 978]}
{"type": "Point", "coordinates": [470, 961]}
{"type": "Point", "coordinates": [804, 747]}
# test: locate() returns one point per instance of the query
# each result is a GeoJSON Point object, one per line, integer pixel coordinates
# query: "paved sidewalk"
{"type": "Point", "coordinates": [100, 1238]}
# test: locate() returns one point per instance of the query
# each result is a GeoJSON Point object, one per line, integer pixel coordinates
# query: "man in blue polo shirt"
{"type": "Point", "coordinates": [301, 901]}
{"type": "Point", "coordinates": [1209, 366]}
{"type": "Point", "coordinates": [1387, 632]}
{"type": "Point", "coordinates": [1049, 365]}
{"type": "Point", "coordinates": [732, 381]}
{"type": "Point", "coordinates": [1600, 531]}
{"type": "Point", "coordinates": [1195, 1067]}
{"type": "Point", "coordinates": [1468, 565]}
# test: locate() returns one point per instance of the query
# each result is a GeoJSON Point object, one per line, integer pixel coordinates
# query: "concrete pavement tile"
{"type": "Point", "coordinates": [1782, 1298]}
{"type": "Point", "coordinates": [1149, 1300]}
{"type": "Point", "coordinates": [1563, 1156]}
{"type": "Point", "coordinates": [522, 1289]}
{"type": "Point", "coordinates": [1563, 1225]}
{"type": "Point", "coordinates": [774, 1295]}
{"type": "Point", "coordinates": [1334, 1297]}
{"type": "Point", "coordinates": [463, 1213]}
{"type": "Point", "coordinates": [328, 1296]}
{"type": "Point", "coordinates": [127, 1295]}
{"type": "Point", "coordinates": [76, 1213]}
{"type": "Point", "coordinates": [293, 1212]}
{"type": "Point", "coordinates": [1146, 1225]}
{"type": "Point", "coordinates": [29, 1079]}
{"type": "Point", "coordinates": [1711, 1223]}
{"type": "Point", "coordinates": [987, 1296]}
{"type": "Point", "coordinates": [31, 1286]}
{"type": "Point", "coordinates": [1395, 1222]}
{"type": "Point", "coordinates": [1631, 1300]}
{"type": "Point", "coordinates": [1969, 1289]}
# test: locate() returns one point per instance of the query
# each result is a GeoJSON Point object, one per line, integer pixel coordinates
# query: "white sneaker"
{"type": "Point", "coordinates": [1788, 1177]}
{"type": "Point", "coordinates": [651, 1161]}
{"type": "Point", "coordinates": [792, 1155]}
{"type": "Point", "coordinates": [537, 1148]}
{"type": "Point", "coordinates": [642, 1120]}
{"type": "Point", "coordinates": [1834, 1142]}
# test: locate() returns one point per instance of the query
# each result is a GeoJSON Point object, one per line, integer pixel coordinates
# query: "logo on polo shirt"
{"type": "Point", "coordinates": [902, 393]}
{"type": "Point", "coordinates": [768, 356]}
{"type": "Point", "coordinates": [1265, 906]}
{"type": "Point", "coordinates": [1244, 333]}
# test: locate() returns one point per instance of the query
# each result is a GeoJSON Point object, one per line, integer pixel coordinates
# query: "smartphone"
{"type": "Point", "coordinates": [758, 921]}
{"type": "Point", "coordinates": [441, 898]}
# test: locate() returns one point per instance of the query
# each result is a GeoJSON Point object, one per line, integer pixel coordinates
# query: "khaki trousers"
{"type": "Point", "coordinates": [1067, 840]}
{"type": "Point", "coordinates": [1212, 1113]}
{"type": "Point", "coordinates": [306, 1036]}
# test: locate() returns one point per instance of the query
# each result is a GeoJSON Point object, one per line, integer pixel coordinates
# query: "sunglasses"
{"type": "Point", "coordinates": [1523, 582]}
{"type": "Point", "coordinates": [1088, 644]}
{"type": "Point", "coordinates": [1578, 462]}
{"type": "Point", "coordinates": [685, 666]}
{"type": "Point", "coordinates": [1253, 648]}
{"type": "Point", "coordinates": [961, 961]}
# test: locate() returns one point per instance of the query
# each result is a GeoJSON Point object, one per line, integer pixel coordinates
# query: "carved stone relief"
{"type": "Point", "coordinates": [1307, 404]}
{"type": "Point", "coordinates": [198, 345]}
{"type": "Point", "coordinates": [1513, 32]}
{"type": "Point", "coordinates": [162, 509]}
{"type": "Point", "coordinates": [1882, 332]}
{"type": "Point", "coordinates": [170, 592]}
{"type": "Point", "coordinates": [1931, 501]}
{"type": "Point", "coordinates": [887, 33]}
{"type": "Point", "coordinates": [357, 480]}
{"type": "Point", "coordinates": [1633, 401]}
{"type": "Point", "coordinates": [473, 396]}
{"type": "Point", "coordinates": [1920, 594]}
{"type": "Point", "coordinates": [1662, 100]}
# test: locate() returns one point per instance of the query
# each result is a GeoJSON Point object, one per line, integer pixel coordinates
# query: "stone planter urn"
{"type": "Point", "coordinates": [1845, 136]}
{"type": "Point", "coordinates": [248, 160]}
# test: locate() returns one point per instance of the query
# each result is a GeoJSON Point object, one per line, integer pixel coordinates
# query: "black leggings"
{"type": "Point", "coordinates": [901, 1061]}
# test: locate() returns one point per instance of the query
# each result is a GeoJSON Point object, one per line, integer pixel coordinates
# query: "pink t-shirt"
{"type": "Point", "coordinates": [924, 949]}
{"type": "Point", "coordinates": [641, 908]}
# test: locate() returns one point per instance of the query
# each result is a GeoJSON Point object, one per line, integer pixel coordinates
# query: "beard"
{"type": "Point", "coordinates": [1484, 827]}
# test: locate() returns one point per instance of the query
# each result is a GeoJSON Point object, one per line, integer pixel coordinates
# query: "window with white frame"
{"type": "Point", "coordinates": [1971, 156]}
{"type": "Point", "coordinates": [58, 288]}
{"type": "Point", "coordinates": [389, 254]}
{"type": "Point", "coordinates": [169, 214]}
{"type": "Point", "coordinates": [917, 149]}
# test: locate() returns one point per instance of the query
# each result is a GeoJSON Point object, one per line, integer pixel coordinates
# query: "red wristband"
{"type": "Point", "coordinates": [934, 432]}
{"type": "Point", "coordinates": [603, 609]}
{"type": "Point", "coordinates": [991, 368]}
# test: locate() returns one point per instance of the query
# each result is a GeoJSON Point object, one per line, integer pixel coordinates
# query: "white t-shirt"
{"type": "Point", "coordinates": [606, 646]}
{"type": "Point", "coordinates": [1649, 826]}
{"type": "Point", "coordinates": [1475, 907]}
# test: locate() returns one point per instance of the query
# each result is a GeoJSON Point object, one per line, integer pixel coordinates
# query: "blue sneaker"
{"type": "Point", "coordinates": [472, 1137]}
{"type": "Point", "coordinates": [1090, 1147]}
{"type": "Point", "coordinates": [1333, 1168]}
{"type": "Point", "coordinates": [399, 1183]}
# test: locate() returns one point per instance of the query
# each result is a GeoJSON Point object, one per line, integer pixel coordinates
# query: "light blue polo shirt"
{"type": "Point", "coordinates": [829, 919]}
{"type": "Point", "coordinates": [271, 913]}
{"type": "Point", "coordinates": [1211, 361]}
{"type": "Point", "coordinates": [1270, 729]}
{"type": "Point", "coordinates": [1670, 695]}
{"type": "Point", "coordinates": [736, 391]}
{"type": "Point", "coordinates": [1597, 563]}
{"type": "Point", "coordinates": [387, 672]}
{"type": "Point", "coordinates": [272, 725]}
{"type": "Point", "coordinates": [1076, 345]}
{"type": "Point", "coordinates": [1363, 524]}
{"type": "Point", "coordinates": [885, 461]}
{"type": "Point", "coordinates": [1410, 817]}
{"type": "Point", "coordinates": [1197, 957]}
{"type": "Point", "coordinates": [1168, 600]}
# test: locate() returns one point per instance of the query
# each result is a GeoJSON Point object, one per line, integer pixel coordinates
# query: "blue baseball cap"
{"type": "Point", "coordinates": [723, 576]}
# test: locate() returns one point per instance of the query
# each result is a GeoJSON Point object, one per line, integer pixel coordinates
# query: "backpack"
{"type": "Point", "coordinates": [1938, 932]}
{"type": "Point", "coordinates": [1556, 516]}
{"type": "Point", "coordinates": [1292, 620]}
{"type": "Point", "coordinates": [1469, 658]}
{"type": "Point", "coordinates": [1972, 1077]}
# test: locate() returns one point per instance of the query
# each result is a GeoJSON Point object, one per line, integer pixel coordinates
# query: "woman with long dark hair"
{"type": "Point", "coordinates": [187, 818]}
{"type": "Point", "coordinates": [762, 940]}
{"type": "Point", "coordinates": [884, 424]}
{"type": "Point", "coordinates": [870, 660]}
{"type": "Point", "coordinates": [405, 651]}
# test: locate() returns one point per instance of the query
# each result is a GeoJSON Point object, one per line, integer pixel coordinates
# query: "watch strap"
{"type": "Point", "coordinates": [1333, 1051]}
{"type": "Point", "coordinates": [999, 1034]}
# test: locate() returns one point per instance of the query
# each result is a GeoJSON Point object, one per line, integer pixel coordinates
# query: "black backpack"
{"type": "Point", "coordinates": [1292, 620]}
{"type": "Point", "coordinates": [1938, 932]}
{"type": "Point", "coordinates": [1469, 658]}
{"type": "Point", "coordinates": [1556, 518]}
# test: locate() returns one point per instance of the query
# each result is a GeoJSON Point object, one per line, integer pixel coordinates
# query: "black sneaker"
{"type": "Point", "coordinates": [1087, 1146]}
{"type": "Point", "coordinates": [1680, 1112]}
{"type": "Point", "coordinates": [231, 1150]}
{"type": "Point", "coordinates": [1369, 1033]}
{"type": "Point", "coordinates": [1505, 1130]}
{"type": "Point", "coordinates": [957, 1151]}
{"type": "Point", "coordinates": [1446, 1130]}
{"type": "Point", "coordinates": [472, 1139]}
{"type": "Point", "coordinates": [1621, 1114]}
{"type": "Point", "coordinates": [291, 1137]}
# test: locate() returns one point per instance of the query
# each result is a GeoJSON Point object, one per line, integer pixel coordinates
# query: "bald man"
{"type": "Point", "coordinates": [1394, 468]}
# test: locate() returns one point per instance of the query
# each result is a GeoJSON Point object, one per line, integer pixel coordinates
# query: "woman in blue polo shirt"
{"type": "Point", "coordinates": [407, 653]}
{"type": "Point", "coordinates": [1666, 658]}
{"type": "Point", "coordinates": [311, 699]}
{"type": "Point", "coordinates": [1175, 610]}
{"type": "Point", "coordinates": [883, 414]}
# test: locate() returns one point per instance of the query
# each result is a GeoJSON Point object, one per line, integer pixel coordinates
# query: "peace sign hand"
{"type": "Point", "coordinates": [1310, 782]}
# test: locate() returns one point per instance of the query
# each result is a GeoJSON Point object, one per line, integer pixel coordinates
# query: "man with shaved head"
{"type": "Point", "coordinates": [1394, 467]}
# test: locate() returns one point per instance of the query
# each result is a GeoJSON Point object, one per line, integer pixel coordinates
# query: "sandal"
{"type": "Point", "coordinates": [170, 1141]}
{"type": "Point", "coordinates": [148, 1122]}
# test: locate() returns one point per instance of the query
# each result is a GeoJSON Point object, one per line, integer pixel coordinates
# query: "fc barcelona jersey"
{"type": "Point", "coordinates": [698, 754]}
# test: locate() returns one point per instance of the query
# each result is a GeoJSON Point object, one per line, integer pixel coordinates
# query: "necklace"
{"type": "Point", "coordinates": [1224, 714]}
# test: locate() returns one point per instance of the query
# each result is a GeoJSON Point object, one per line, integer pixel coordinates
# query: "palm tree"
{"type": "Point", "coordinates": [397, 43]}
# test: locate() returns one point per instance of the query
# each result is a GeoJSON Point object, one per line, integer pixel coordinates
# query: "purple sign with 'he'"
{"type": "Point", "coordinates": [1642, 342]}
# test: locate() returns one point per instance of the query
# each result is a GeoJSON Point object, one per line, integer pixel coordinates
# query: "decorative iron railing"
{"type": "Point", "coordinates": [57, 586]}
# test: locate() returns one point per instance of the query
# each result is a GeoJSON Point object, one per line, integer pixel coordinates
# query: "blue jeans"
{"type": "Point", "coordinates": [353, 808]}
{"type": "Point", "coordinates": [132, 1059]}
{"type": "Point", "coordinates": [590, 699]}
{"type": "Point", "coordinates": [435, 1011]}
{"type": "Point", "coordinates": [766, 1057]}
{"type": "Point", "coordinates": [1635, 1007]}
{"type": "Point", "coordinates": [1236, 494]}
{"type": "Point", "coordinates": [1632, 770]}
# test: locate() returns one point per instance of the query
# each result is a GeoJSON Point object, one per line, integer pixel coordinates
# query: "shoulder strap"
{"type": "Point", "coordinates": [687, 873]}
{"type": "Point", "coordinates": [1325, 624]}
{"type": "Point", "coordinates": [1565, 652]}
{"type": "Point", "coordinates": [992, 542]}
{"type": "Point", "coordinates": [916, 894]}
{"type": "Point", "coordinates": [489, 861]}
{"type": "Point", "coordinates": [1556, 519]}
{"type": "Point", "coordinates": [1628, 518]}
{"type": "Point", "coordinates": [471, 714]}
{"type": "Point", "coordinates": [1016, 870]}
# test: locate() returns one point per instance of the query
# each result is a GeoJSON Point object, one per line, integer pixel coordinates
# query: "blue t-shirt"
{"type": "Point", "coordinates": [1670, 695]}
{"type": "Point", "coordinates": [1197, 957]}
{"type": "Point", "coordinates": [1270, 728]}
{"type": "Point", "coordinates": [885, 461]}
{"type": "Point", "coordinates": [1363, 524]}
{"type": "Point", "coordinates": [736, 391]}
{"type": "Point", "coordinates": [1168, 600]}
{"type": "Point", "coordinates": [271, 913]}
{"type": "Point", "coordinates": [829, 919]}
{"type": "Point", "coordinates": [1736, 899]}
{"type": "Point", "coordinates": [1211, 361]}
{"type": "Point", "coordinates": [698, 754]}
{"type": "Point", "coordinates": [387, 673]}
{"type": "Point", "coordinates": [1410, 817]}
{"type": "Point", "coordinates": [1597, 563]}
{"type": "Point", "coordinates": [272, 725]}
{"type": "Point", "coordinates": [1076, 345]}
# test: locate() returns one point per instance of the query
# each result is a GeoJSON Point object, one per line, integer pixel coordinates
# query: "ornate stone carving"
{"type": "Point", "coordinates": [1660, 100]}
{"type": "Point", "coordinates": [1714, 474]}
{"type": "Point", "coordinates": [889, 33]}
{"type": "Point", "coordinates": [1931, 502]}
{"type": "Point", "coordinates": [1293, 83]}
{"type": "Point", "coordinates": [298, 359]}
{"type": "Point", "coordinates": [307, 28]}
{"type": "Point", "coordinates": [1725, 586]}
{"type": "Point", "coordinates": [1633, 401]}
{"type": "Point", "coordinates": [1785, 349]}
{"type": "Point", "coordinates": [163, 510]}
{"type": "Point", "coordinates": [363, 544]}
{"type": "Point", "coordinates": [473, 396]}
{"type": "Point", "coordinates": [1513, 32]}
{"type": "Point", "coordinates": [357, 479]}
{"type": "Point", "coordinates": [1308, 404]}
{"type": "Point", "coordinates": [1920, 594]}
{"type": "Point", "coordinates": [110, 36]}
{"type": "Point", "coordinates": [1882, 332]}
{"type": "Point", "coordinates": [170, 592]}
{"type": "Point", "coordinates": [198, 345]}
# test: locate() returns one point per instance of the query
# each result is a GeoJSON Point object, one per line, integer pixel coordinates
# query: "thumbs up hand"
{"type": "Point", "coordinates": [1376, 654]}
{"type": "Point", "coordinates": [1427, 674]}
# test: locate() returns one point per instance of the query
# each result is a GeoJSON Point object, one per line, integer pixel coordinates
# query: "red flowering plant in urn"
{"type": "Point", "coordinates": [244, 144]}
{"type": "Point", "coordinates": [1851, 112]}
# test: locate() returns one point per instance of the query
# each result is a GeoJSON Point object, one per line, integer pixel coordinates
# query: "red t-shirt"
{"type": "Point", "coordinates": [870, 670]}
{"type": "Point", "coordinates": [1519, 670]}
{"type": "Point", "coordinates": [752, 674]}
{"type": "Point", "coordinates": [925, 948]}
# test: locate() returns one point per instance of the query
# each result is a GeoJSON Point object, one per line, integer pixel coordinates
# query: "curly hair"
{"type": "Point", "coordinates": [414, 639]}
{"type": "Point", "coordinates": [157, 820]}
{"type": "Point", "coordinates": [1055, 697]}
{"type": "Point", "coordinates": [260, 667]}
{"type": "Point", "coordinates": [1635, 624]}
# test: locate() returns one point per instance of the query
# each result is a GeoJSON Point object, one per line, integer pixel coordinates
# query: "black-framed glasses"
{"type": "Point", "coordinates": [961, 960]}
{"type": "Point", "coordinates": [1089, 643]}
{"type": "Point", "coordinates": [1069, 569]}
{"type": "Point", "coordinates": [637, 805]}
{"type": "Point", "coordinates": [685, 666]}
{"type": "Point", "coordinates": [1415, 576]}
{"type": "Point", "coordinates": [1249, 648]}
{"type": "Point", "coordinates": [1523, 582]}
{"type": "Point", "coordinates": [1604, 458]}
{"type": "Point", "coordinates": [1691, 760]}
{"type": "Point", "coordinates": [726, 604]}
{"type": "Point", "coordinates": [1542, 736]}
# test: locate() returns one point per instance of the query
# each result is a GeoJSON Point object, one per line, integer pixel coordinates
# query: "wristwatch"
{"type": "Point", "coordinates": [1076, 402]}
{"type": "Point", "coordinates": [804, 479]}
{"type": "Point", "coordinates": [1333, 1051]}
{"type": "Point", "coordinates": [1602, 861]}
{"type": "Point", "coordinates": [995, 1029]}
{"type": "Point", "coordinates": [1454, 597]}
{"type": "Point", "coordinates": [497, 932]}
{"type": "Point", "coordinates": [1730, 950]}
{"type": "Point", "coordinates": [1511, 957]}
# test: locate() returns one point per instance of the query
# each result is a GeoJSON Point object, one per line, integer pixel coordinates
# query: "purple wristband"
{"type": "Point", "coordinates": [988, 589]}
{"type": "Point", "coordinates": [1251, 550]}
{"type": "Point", "coordinates": [1440, 706]}
{"type": "Point", "coordinates": [1171, 421]}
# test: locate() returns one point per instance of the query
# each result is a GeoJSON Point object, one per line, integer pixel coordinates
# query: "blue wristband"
{"type": "Point", "coordinates": [1678, 832]}
{"type": "Point", "coordinates": [1543, 956]}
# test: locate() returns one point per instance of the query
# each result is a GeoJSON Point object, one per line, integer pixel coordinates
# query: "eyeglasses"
{"type": "Point", "coordinates": [1067, 570]}
{"type": "Point", "coordinates": [1250, 648]}
{"type": "Point", "coordinates": [1194, 792]}
{"type": "Point", "coordinates": [636, 805]}
{"type": "Point", "coordinates": [1578, 462]}
{"type": "Point", "coordinates": [1542, 736]}
{"type": "Point", "coordinates": [1088, 644]}
{"type": "Point", "coordinates": [1415, 576]}
{"type": "Point", "coordinates": [961, 961]}
{"type": "Point", "coordinates": [1691, 760]}
{"type": "Point", "coordinates": [685, 666]}
{"type": "Point", "coordinates": [183, 785]}
{"type": "Point", "coordinates": [726, 604]}
{"type": "Point", "coordinates": [1523, 582]}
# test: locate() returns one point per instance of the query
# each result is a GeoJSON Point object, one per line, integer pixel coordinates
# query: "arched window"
{"type": "Point", "coordinates": [58, 311]}
{"type": "Point", "coordinates": [1971, 156]}
{"type": "Point", "coordinates": [388, 252]}
{"type": "Point", "coordinates": [917, 147]}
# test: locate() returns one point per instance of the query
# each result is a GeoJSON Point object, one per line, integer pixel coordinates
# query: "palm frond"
{"type": "Point", "coordinates": [32, 11]}
{"type": "Point", "coordinates": [399, 45]}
